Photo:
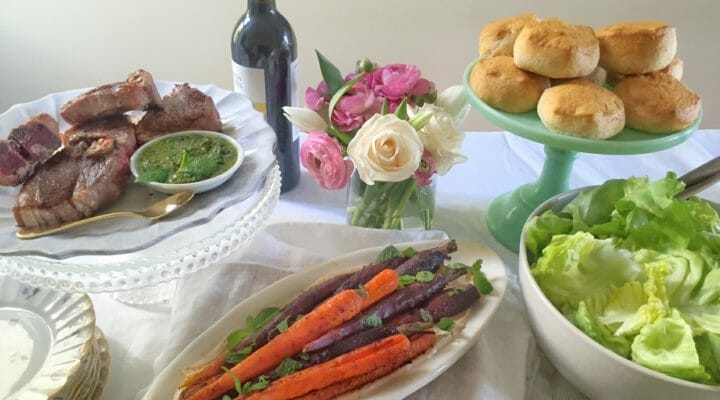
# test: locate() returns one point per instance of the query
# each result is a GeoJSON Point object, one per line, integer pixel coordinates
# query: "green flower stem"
{"type": "Point", "coordinates": [395, 211]}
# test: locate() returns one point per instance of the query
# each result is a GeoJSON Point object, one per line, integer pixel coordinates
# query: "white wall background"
{"type": "Point", "coordinates": [48, 46]}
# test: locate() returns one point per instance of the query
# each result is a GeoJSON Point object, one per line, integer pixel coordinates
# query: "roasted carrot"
{"type": "Point", "coordinates": [358, 362]}
{"type": "Point", "coordinates": [419, 344]}
{"type": "Point", "coordinates": [333, 312]}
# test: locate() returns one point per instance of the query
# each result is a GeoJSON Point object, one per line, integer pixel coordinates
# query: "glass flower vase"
{"type": "Point", "coordinates": [390, 205]}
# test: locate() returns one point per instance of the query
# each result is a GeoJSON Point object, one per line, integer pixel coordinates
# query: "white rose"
{"type": "Point", "coordinates": [385, 149]}
{"type": "Point", "coordinates": [305, 119]}
{"type": "Point", "coordinates": [442, 138]}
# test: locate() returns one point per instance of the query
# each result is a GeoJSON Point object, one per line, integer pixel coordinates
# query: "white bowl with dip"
{"type": "Point", "coordinates": [199, 186]}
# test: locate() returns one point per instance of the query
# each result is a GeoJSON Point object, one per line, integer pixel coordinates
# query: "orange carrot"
{"type": "Point", "coordinates": [206, 372]}
{"type": "Point", "coordinates": [419, 344]}
{"type": "Point", "coordinates": [333, 312]}
{"type": "Point", "coordinates": [380, 286]}
{"type": "Point", "coordinates": [357, 362]}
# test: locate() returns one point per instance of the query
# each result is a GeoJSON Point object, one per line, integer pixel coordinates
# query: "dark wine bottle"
{"type": "Point", "coordinates": [265, 68]}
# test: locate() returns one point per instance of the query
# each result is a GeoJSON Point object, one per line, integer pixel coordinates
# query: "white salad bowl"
{"type": "Point", "coordinates": [196, 187]}
{"type": "Point", "coordinates": [596, 371]}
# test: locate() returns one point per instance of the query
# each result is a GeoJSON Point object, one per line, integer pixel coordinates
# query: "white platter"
{"type": "Point", "coordinates": [125, 254]}
{"type": "Point", "coordinates": [45, 336]}
{"type": "Point", "coordinates": [395, 386]}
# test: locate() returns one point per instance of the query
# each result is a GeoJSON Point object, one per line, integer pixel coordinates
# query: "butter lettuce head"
{"type": "Point", "coordinates": [638, 271]}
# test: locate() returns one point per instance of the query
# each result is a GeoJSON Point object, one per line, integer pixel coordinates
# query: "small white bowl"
{"type": "Point", "coordinates": [596, 371]}
{"type": "Point", "coordinates": [197, 187]}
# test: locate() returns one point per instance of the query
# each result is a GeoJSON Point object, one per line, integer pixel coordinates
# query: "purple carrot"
{"type": "Point", "coordinates": [401, 300]}
{"type": "Point", "coordinates": [427, 260]}
{"type": "Point", "coordinates": [445, 304]}
{"type": "Point", "coordinates": [369, 271]}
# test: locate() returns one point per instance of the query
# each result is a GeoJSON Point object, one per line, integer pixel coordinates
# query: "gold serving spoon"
{"type": "Point", "coordinates": [154, 212]}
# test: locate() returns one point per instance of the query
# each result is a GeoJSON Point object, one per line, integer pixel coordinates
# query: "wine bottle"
{"type": "Point", "coordinates": [265, 68]}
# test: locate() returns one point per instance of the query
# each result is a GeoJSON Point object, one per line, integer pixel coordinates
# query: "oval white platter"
{"type": "Point", "coordinates": [397, 385]}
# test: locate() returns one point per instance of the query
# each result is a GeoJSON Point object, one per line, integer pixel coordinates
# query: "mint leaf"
{"type": "Point", "coordinates": [387, 253]}
{"type": "Point", "coordinates": [363, 292]}
{"type": "Point", "coordinates": [238, 384]}
{"type": "Point", "coordinates": [237, 356]}
{"type": "Point", "coordinates": [154, 175]}
{"type": "Point", "coordinates": [407, 280]}
{"type": "Point", "coordinates": [425, 315]}
{"type": "Point", "coordinates": [458, 265]}
{"type": "Point", "coordinates": [287, 367]}
{"type": "Point", "coordinates": [226, 397]}
{"type": "Point", "coordinates": [261, 384]}
{"type": "Point", "coordinates": [283, 325]}
{"type": "Point", "coordinates": [236, 337]}
{"type": "Point", "coordinates": [372, 321]}
{"type": "Point", "coordinates": [424, 276]}
{"type": "Point", "coordinates": [409, 252]}
{"type": "Point", "coordinates": [453, 291]}
{"type": "Point", "coordinates": [263, 317]}
{"type": "Point", "coordinates": [330, 73]}
{"type": "Point", "coordinates": [481, 282]}
{"type": "Point", "coordinates": [445, 323]}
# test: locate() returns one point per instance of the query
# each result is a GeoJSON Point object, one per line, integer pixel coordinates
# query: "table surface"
{"type": "Point", "coordinates": [498, 162]}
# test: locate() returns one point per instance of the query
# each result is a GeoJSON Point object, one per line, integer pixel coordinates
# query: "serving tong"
{"type": "Point", "coordinates": [700, 178]}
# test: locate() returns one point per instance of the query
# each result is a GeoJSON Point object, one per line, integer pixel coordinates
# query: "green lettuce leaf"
{"type": "Point", "coordinates": [541, 229]}
{"type": "Point", "coordinates": [667, 346]}
{"type": "Point", "coordinates": [586, 319]}
{"type": "Point", "coordinates": [595, 206]}
{"type": "Point", "coordinates": [708, 348]}
{"type": "Point", "coordinates": [579, 267]}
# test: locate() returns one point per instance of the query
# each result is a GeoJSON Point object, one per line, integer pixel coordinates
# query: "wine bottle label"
{"type": "Point", "coordinates": [251, 83]}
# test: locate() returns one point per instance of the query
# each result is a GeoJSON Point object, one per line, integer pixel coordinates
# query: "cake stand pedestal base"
{"type": "Point", "coordinates": [507, 213]}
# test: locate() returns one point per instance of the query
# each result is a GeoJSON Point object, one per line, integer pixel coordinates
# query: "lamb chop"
{"type": "Point", "coordinates": [185, 108]}
{"type": "Point", "coordinates": [27, 147]}
{"type": "Point", "coordinates": [137, 92]}
{"type": "Point", "coordinates": [91, 171]}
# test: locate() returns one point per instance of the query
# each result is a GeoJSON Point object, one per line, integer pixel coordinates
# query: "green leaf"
{"type": "Point", "coordinates": [708, 348]}
{"type": "Point", "coordinates": [330, 73]}
{"type": "Point", "coordinates": [445, 324]}
{"type": "Point", "coordinates": [480, 281]}
{"type": "Point", "coordinates": [340, 93]}
{"type": "Point", "coordinates": [425, 315]}
{"type": "Point", "coordinates": [407, 280]}
{"type": "Point", "coordinates": [539, 230]}
{"type": "Point", "coordinates": [424, 276]}
{"type": "Point", "coordinates": [586, 319]}
{"type": "Point", "coordinates": [235, 337]}
{"type": "Point", "coordinates": [458, 265]}
{"type": "Point", "coordinates": [387, 253]}
{"type": "Point", "coordinates": [401, 110]}
{"type": "Point", "coordinates": [260, 384]}
{"type": "Point", "coordinates": [409, 252]}
{"type": "Point", "coordinates": [184, 160]}
{"type": "Point", "coordinates": [238, 384]}
{"type": "Point", "coordinates": [287, 367]}
{"type": "Point", "coordinates": [299, 317]}
{"type": "Point", "coordinates": [237, 356]}
{"type": "Point", "coordinates": [372, 321]}
{"type": "Point", "coordinates": [304, 356]}
{"type": "Point", "coordinates": [154, 175]}
{"type": "Point", "coordinates": [452, 291]}
{"type": "Point", "coordinates": [363, 292]}
{"type": "Point", "coordinates": [385, 107]}
{"type": "Point", "coordinates": [226, 397]}
{"type": "Point", "coordinates": [263, 317]}
{"type": "Point", "coordinates": [282, 326]}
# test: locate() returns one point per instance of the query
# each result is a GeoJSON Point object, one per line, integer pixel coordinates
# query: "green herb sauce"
{"type": "Point", "coordinates": [185, 159]}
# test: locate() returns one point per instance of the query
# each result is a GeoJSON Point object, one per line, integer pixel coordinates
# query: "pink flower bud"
{"type": "Point", "coordinates": [322, 156]}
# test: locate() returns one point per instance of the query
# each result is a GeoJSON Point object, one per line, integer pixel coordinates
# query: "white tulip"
{"type": "Point", "coordinates": [453, 101]}
{"type": "Point", "coordinates": [385, 149]}
{"type": "Point", "coordinates": [442, 137]}
{"type": "Point", "coordinates": [305, 119]}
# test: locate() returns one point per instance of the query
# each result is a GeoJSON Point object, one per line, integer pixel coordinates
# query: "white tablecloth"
{"type": "Point", "coordinates": [497, 163]}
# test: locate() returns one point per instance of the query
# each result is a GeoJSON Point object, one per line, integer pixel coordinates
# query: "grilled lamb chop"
{"type": "Point", "coordinates": [91, 172]}
{"type": "Point", "coordinates": [137, 92]}
{"type": "Point", "coordinates": [27, 146]}
{"type": "Point", "coordinates": [117, 128]}
{"type": "Point", "coordinates": [185, 108]}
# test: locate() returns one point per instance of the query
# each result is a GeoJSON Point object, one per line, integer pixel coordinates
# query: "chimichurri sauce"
{"type": "Point", "coordinates": [185, 159]}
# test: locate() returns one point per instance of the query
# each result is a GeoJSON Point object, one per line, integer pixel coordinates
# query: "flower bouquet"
{"type": "Point", "coordinates": [390, 126]}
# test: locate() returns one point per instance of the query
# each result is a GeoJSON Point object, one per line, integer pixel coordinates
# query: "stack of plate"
{"type": "Point", "coordinates": [49, 345]}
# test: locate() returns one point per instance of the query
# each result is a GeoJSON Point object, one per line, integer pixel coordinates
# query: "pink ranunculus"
{"type": "Point", "coordinates": [423, 175]}
{"type": "Point", "coordinates": [317, 99]}
{"type": "Point", "coordinates": [357, 100]}
{"type": "Point", "coordinates": [323, 158]}
{"type": "Point", "coordinates": [395, 81]}
{"type": "Point", "coordinates": [422, 87]}
{"type": "Point", "coordinates": [346, 121]}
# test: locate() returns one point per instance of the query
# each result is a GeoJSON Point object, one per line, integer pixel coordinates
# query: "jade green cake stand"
{"type": "Point", "coordinates": [508, 212]}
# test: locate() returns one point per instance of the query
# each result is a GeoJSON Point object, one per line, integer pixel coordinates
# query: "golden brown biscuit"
{"type": "Point", "coordinates": [636, 47]}
{"type": "Point", "coordinates": [498, 37]}
{"type": "Point", "coordinates": [557, 49]}
{"type": "Point", "coordinates": [598, 77]}
{"type": "Point", "coordinates": [658, 103]}
{"type": "Point", "coordinates": [582, 108]}
{"type": "Point", "coordinates": [502, 85]}
{"type": "Point", "coordinates": [674, 69]}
